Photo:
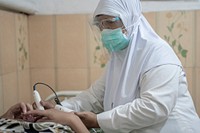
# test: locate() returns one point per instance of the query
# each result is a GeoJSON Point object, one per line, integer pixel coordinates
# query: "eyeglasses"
{"type": "Point", "coordinates": [108, 23]}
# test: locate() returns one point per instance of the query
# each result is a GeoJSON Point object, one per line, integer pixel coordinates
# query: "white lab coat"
{"type": "Point", "coordinates": [163, 105]}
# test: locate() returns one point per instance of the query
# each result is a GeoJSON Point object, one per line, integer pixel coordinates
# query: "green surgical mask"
{"type": "Point", "coordinates": [114, 40]}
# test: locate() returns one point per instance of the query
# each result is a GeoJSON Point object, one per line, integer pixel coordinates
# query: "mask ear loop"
{"type": "Point", "coordinates": [134, 25]}
{"type": "Point", "coordinates": [125, 29]}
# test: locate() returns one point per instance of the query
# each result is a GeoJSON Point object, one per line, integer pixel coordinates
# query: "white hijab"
{"type": "Point", "coordinates": [145, 51]}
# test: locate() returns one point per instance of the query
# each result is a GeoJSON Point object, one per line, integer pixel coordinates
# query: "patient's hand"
{"type": "Point", "coordinates": [16, 111]}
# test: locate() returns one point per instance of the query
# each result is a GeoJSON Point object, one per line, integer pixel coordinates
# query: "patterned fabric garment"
{"type": "Point", "coordinates": [9, 125]}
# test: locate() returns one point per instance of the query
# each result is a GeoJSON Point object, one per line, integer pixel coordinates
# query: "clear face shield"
{"type": "Point", "coordinates": [100, 54]}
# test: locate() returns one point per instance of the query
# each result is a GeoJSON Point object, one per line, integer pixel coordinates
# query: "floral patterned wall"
{"type": "Point", "coordinates": [176, 30]}
{"type": "Point", "coordinates": [14, 59]}
{"type": "Point", "coordinates": [22, 41]}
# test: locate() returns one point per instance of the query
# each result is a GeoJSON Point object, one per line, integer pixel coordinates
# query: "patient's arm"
{"type": "Point", "coordinates": [64, 118]}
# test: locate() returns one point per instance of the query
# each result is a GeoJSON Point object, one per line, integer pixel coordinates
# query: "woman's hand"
{"type": "Point", "coordinates": [89, 119]}
{"type": "Point", "coordinates": [16, 111]}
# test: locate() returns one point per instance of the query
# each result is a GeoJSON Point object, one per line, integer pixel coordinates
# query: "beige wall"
{"type": "Point", "coordinates": [63, 53]}
{"type": "Point", "coordinates": [14, 59]}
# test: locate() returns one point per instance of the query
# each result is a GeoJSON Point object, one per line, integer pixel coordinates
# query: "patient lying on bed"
{"type": "Point", "coordinates": [24, 113]}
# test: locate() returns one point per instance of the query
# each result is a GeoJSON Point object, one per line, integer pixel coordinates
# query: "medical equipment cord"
{"type": "Point", "coordinates": [56, 99]}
